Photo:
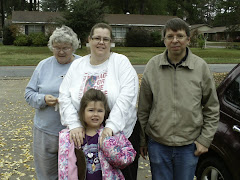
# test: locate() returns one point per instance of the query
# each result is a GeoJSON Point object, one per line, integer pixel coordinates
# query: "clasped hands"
{"type": "Point", "coordinates": [50, 100]}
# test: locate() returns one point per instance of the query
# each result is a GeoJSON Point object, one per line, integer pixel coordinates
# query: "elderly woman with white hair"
{"type": "Point", "coordinates": [42, 94]}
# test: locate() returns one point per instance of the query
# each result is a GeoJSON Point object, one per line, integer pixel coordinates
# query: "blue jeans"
{"type": "Point", "coordinates": [172, 162]}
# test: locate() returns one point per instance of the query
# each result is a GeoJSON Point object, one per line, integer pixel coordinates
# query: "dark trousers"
{"type": "Point", "coordinates": [130, 172]}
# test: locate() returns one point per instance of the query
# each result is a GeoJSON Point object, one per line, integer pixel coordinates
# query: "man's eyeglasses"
{"type": "Point", "coordinates": [104, 39]}
{"type": "Point", "coordinates": [178, 37]}
{"type": "Point", "coordinates": [65, 49]}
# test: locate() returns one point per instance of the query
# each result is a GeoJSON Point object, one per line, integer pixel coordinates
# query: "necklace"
{"type": "Point", "coordinates": [90, 155]}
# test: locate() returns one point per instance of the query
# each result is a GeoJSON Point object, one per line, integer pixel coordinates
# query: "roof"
{"type": "Point", "coordinates": [195, 26]}
{"type": "Point", "coordinates": [112, 19]}
{"type": "Point", "coordinates": [35, 17]}
{"type": "Point", "coordinates": [137, 19]}
{"type": "Point", "coordinates": [217, 29]}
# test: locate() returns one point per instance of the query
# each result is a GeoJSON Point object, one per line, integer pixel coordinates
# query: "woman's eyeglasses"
{"type": "Point", "coordinates": [99, 39]}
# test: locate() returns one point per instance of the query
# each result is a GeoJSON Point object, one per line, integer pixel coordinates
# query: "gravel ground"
{"type": "Point", "coordinates": [16, 160]}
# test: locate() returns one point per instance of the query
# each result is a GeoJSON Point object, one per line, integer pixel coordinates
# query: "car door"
{"type": "Point", "coordinates": [230, 114]}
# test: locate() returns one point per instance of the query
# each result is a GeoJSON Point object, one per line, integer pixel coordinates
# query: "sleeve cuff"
{"type": "Point", "coordinates": [203, 141]}
{"type": "Point", "coordinates": [41, 100]}
{"type": "Point", "coordinates": [112, 127]}
{"type": "Point", "coordinates": [75, 125]}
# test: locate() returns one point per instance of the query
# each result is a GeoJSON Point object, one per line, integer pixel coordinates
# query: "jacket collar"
{"type": "Point", "coordinates": [100, 130]}
{"type": "Point", "coordinates": [188, 63]}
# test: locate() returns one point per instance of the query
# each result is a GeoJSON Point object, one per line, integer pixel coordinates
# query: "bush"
{"type": "Point", "coordinates": [120, 44]}
{"type": "Point", "coordinates": [237, 39]}
{"type": "Point", "coordinates": [21, 40]}
{"type": "Point", "coordinates": [38, 39]}
{"type": "Point", "coordinates": [7, 36]}
{"type": "Point", "coordinates": [138, 37]}
{"type": "Point", "coordinates": [194, 38]}
{"type": "Point", "coordinates": [201, 42]}
{"type": "Point", "coordinates": [156, 38]}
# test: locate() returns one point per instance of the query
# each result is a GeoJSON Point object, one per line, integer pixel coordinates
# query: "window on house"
{"type": "Point", "coordinates": [34, 29]}
{"type": "Point", "coordinates": [119, 32]}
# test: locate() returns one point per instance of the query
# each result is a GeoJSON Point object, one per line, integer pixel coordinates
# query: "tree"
{"type": "Point", "coordinates": [2, 12]}
{"type": "Point", "coordinates": [7, 6]}
{"type": "Point", "coordinates": [54, 5]}
{"type": "Point", "coordinates": [228, 13]}
{"type": "Point", "coordinates": [126, 6]}
{"type": "Point", "coordinates": [82, 15]}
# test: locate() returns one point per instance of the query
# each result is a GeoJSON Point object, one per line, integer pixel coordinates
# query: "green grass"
{"type": "Point", "coordinates": [31, 56]}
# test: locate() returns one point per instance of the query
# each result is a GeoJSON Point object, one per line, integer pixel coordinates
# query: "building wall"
{"type": "Point", "coordinates": [119, 32]}
{"type": "Point", "coordinates": [46, 28]}
{"type": "Point", "coordinates": [204, 28]}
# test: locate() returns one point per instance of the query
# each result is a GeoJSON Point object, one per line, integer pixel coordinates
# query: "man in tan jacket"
{"type": "Point", "coordinates": [178, 107]}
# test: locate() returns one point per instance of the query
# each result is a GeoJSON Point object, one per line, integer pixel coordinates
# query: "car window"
{"type": "Point", "coordinates": [232, 94]}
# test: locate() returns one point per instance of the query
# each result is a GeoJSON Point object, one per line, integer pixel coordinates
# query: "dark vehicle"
{"type": "Point", "coordinates": [223, 158]}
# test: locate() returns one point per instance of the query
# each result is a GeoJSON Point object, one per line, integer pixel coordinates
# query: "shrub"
{"type": "Point", "coordinates": [21, 40]}
{"type": "Point", "coordinates": [201, 42]}
{"type": "Point", "coordinates": [38, 39]}
{"type": "Point", "coordinates": [194, 38]}
{"type": "Point", "coordinates": [7, 36]}
{"type": "Point", "coordinates": [120, 44]}
{"type": "Point", "coordinates": [138, 37]}
{"type": "Point", "coordinates": [156, 38]}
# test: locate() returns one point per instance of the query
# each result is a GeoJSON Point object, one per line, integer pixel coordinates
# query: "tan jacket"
{"type": "Point", "coordinates": [178, 106]}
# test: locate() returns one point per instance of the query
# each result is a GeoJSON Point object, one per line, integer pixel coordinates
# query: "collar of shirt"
{"type": "Point", "coordinates": [182, 60]}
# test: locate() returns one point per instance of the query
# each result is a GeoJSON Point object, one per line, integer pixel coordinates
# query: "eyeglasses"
{"type": "Point", "coordinates": [104, 39]}
{"type": "Point", "coordinates": [65, 49]}
{"type": "Point", "coordinates": [178, 37]}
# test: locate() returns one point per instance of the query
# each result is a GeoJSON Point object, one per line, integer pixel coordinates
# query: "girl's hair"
{"type": "Point", "coordinates": [93, 95]}
{"type": "Point", "coordinates": [103, 26]}
{"type": "Point", "coordinates": [176, 24]}
{"type": "Point", "coordinates": [64, 35]}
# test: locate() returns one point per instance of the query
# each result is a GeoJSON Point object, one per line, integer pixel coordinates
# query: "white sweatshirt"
{"type": "Point", "coordinates": [116, 77]}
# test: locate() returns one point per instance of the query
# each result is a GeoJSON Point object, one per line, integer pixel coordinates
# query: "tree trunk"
{"type": "Point", "coordinates": [23, 4]}
{"type": "Point", "coordinates": [30, 5]}
{"type": "Point", "coordinates": [141, 8]}
{"type": "Point", "coordinates": [35, 5]}
{"type": "Point", "coordinates": [2, 12]}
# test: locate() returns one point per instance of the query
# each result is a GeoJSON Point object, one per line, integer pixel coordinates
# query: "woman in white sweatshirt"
{"type": "Point", "coordinates": [111, 73]}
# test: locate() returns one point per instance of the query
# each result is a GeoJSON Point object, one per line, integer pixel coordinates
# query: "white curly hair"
{"type": "Point", "coordinates": [64, 34]}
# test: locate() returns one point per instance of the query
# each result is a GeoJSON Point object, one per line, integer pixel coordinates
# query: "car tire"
{"type": "Point", "coordinates": [212, 166]}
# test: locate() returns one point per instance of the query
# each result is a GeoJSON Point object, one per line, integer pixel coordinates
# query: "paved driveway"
{"type": "Point", "coordinates": [26, 71]}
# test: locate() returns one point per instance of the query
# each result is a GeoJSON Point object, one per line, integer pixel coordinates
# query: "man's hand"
{"type": "Point", "coordinates": [144, 152]}
{"type": "Point", "coordinates": [51, 100]}
{"type": "Point", "coordinates": [200, 149]}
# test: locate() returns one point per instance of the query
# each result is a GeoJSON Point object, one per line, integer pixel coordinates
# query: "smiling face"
{"type": "Point", "coordinates": [100, 48]}
{"type": "Point", "coordinates": [94, 114]}
{"type": "Point", "coordinates": [176, 43]}
{"type": "Point", "coordinates": [63, 52]}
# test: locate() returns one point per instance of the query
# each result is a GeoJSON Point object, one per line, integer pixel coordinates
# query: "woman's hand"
{"type": "Point", "coordinates": [51, 100]}
{"type": "Point", "coordinates": [106, 132]}
{"type": "Point", "coordinates": [144, 152]}
{"type": "Point", "coordinates": [77, 135]}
